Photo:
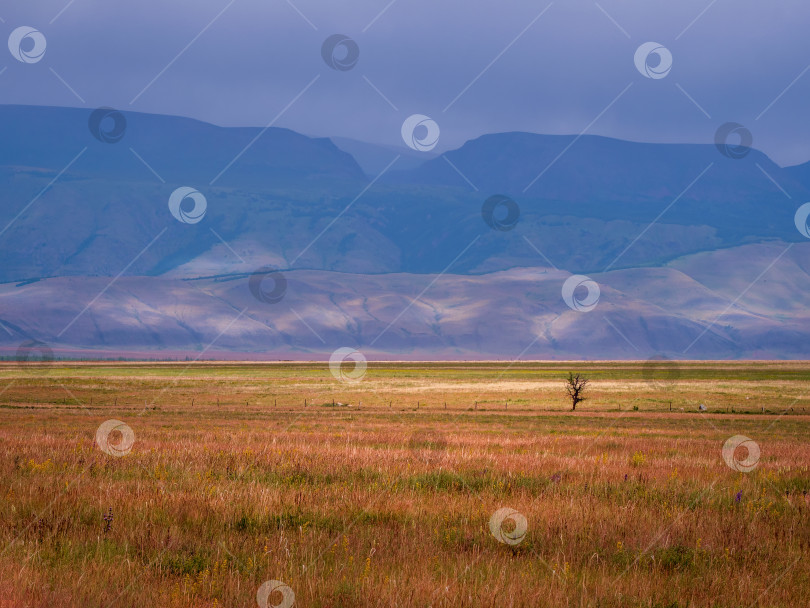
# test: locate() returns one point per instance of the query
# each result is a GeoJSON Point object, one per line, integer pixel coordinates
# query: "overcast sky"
{"type": "Point", "coordinates": [474, 66]}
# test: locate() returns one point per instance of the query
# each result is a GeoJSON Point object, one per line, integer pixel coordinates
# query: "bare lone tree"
{"type": "Point", "coordinates": [575, 385]}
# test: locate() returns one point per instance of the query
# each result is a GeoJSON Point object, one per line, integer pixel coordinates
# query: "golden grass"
{"type": "Point", "coordinates": [379, 506]}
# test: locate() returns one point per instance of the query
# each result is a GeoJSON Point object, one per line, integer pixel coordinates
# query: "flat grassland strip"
{"type": "Point", "coordinates": [380, 492]}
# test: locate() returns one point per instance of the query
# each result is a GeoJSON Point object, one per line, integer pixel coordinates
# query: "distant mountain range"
{"type": "Point", "coordinates": [681, 230]}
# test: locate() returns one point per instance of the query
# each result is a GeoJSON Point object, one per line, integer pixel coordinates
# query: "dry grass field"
{"type": "Point", "coordinates": [230, 475]}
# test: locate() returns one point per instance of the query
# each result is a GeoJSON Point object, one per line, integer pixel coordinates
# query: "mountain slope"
{"type": "Point", "coordinates": [641, 312]}
{"type": "Point", "coordinates": [179, 150]}
{"type": "Point", "coordinates": [697, 254]}
{"type": "Point", "coordinates": [605, 178]}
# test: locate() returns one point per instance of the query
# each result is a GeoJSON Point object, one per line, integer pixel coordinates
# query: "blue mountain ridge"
{"type": "Point", "coordinates": [582, 202]}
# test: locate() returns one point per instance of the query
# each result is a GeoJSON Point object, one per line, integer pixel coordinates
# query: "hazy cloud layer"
{"type": "Point", "coordinates": [742, 61]}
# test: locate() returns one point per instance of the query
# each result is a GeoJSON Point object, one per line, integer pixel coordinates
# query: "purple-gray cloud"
{"type": "Point", "coordinates": [733, 59]}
